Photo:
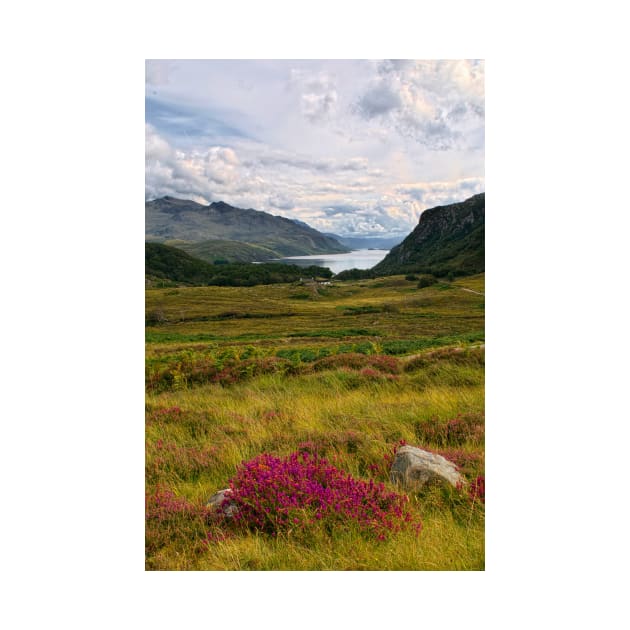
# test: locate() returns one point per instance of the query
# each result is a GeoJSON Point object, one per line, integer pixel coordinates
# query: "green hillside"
{"type": "Point", "coordinates": [168, 266]}
{"type": "Point", "coordinates": [230, 251]}
{"type": "Point", "coordinates": [448, 239]}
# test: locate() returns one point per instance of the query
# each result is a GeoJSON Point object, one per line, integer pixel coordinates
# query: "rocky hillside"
{"type": "Point", "coordinates": [448, 239]}
{"type": "Point", "coordinates": [168, 219]}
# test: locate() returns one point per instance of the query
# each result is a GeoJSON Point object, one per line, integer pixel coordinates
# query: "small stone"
{"type": "Point", "coordinates": [218, 502]}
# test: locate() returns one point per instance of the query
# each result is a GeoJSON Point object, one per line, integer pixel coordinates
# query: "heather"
{"type": "Point", "coordinates": [291, 494]}
{"type": "Point", "coordinates": [302, 411]}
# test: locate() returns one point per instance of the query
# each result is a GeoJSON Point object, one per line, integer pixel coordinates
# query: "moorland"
{"type": "Point", "coordinates": [336, 375]}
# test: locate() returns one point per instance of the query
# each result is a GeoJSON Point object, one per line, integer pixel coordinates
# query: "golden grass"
{"type": "Point", "coordinates": [355, 419]}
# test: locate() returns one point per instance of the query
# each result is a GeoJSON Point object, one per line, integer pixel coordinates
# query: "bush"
{"type": "Point", "coordinates": [154, 317]}
{"type": "Point", "coordinates": [426, 281]}
{"type": "Point", "coordinates": [355, 274]}
{"type": "Point", "coordinates": [303, 491]}
{"type": "Point", "coordinates": [411, 277]}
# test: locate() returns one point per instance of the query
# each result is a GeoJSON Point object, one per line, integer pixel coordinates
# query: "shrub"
{"type": "Point", "coordinates": [154, 317]}
{"type": "Point", "coordinates": [426, 281]}
{"type": "Point", "coordinates": [411, 277]}
{"type": "Point", "coordinates": [302, 492]}
{"type": "Point", "coordinates": [355, 274]}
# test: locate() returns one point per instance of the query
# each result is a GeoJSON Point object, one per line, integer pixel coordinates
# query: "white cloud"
{"type": "Point", "coordinates": [317, 93]}
{"type": "Point", "coordinates": [281, 201]}
{"type": "Point", "coordinates": [221, 166]}
{"type": "Point", "coordinates": [431, 194]}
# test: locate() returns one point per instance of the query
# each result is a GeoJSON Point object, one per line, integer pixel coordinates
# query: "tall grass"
{"type": "Point", "coordinates": [352, 408]}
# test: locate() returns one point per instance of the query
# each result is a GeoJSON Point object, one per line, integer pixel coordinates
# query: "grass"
{"type": "Point", "coordinates": [349, 385]}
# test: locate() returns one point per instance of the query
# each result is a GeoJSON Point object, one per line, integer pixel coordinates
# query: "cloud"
{"type": "Point", "coordinates": [281, 202]}
{"type": "Point", "coordinates": [321, 165]}
{"type": "Point", "coordinates": [333, 211]}
{"type": "Point", "coordinates": [357, 147]}
{"type": "Point", "coordinates": [378, 100]}
{"type": "Point", "coordinates": [317, 94]}
{"type": "Point", "coordinates": [221, 165]}
{"type": "Point", "coordinates": [440, 104]}
{"type": "Point", "coordinates": [431, 194]}
{"type": "Point", "coordinates": [179, 173]}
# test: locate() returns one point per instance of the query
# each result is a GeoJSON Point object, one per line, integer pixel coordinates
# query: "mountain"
{"type": "Point", "coordinates": [446, 239]}
{"type": "Point", "coordinates": [367, 242]}
{"type": "Point", "coordinates": [169, 218]}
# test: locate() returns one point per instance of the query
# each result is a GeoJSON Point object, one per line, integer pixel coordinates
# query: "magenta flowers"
{"type": "Point", "coordinates": [283, 495]}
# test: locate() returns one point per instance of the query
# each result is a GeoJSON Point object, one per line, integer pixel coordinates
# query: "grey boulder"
{"type": "Point", "coordinates": [221, 501]}
{"type": "Point", "coordinates": [413, 468]}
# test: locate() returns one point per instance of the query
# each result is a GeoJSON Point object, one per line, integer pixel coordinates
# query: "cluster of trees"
{"type": "Point", "coordinates": [171, 264]}
{"type": "Point", "coordinates": [356, 274]}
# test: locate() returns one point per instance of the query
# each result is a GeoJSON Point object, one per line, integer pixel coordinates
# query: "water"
{"type": "Point", "coordinates": [358, 259]}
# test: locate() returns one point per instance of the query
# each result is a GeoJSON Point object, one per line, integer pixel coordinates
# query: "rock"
{"type": "Point", "coordinates": [413, 468]}
{"type": "Point", "coordinates": [216, 502]}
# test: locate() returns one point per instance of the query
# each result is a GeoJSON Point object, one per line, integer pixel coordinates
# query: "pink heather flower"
{"type": "Point", "coordinates": [266, 489]}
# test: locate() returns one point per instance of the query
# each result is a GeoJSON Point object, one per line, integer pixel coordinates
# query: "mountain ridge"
{"type": "Point", "coordinates": [447, 239]}
{"type": "Point", "coordinates": [171, 218]}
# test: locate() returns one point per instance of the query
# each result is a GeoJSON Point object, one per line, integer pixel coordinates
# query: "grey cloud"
{"type": "Point", "coordinates": [378, 100]}
{"type": "Point", "coordinates": [321, 165]}
{"type": "Point", "coordinates": [332, 211]}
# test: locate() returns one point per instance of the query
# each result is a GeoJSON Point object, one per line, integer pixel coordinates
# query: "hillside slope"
{"type": "Point", "coordinates": [447, 239]}
{"type": "Point", "coordinates": [168, 266]}
{"type": "Point", "coordinates": [230, 251]}
{"type": "Point", "coordinates": [182, 219]}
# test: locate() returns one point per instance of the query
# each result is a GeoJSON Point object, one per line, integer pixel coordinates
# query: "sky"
{"type": "Point", "coordinates": [351, 147]}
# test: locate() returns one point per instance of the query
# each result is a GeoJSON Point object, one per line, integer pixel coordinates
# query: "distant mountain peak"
{"type": "Point", "coordinates": [220, 205]}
